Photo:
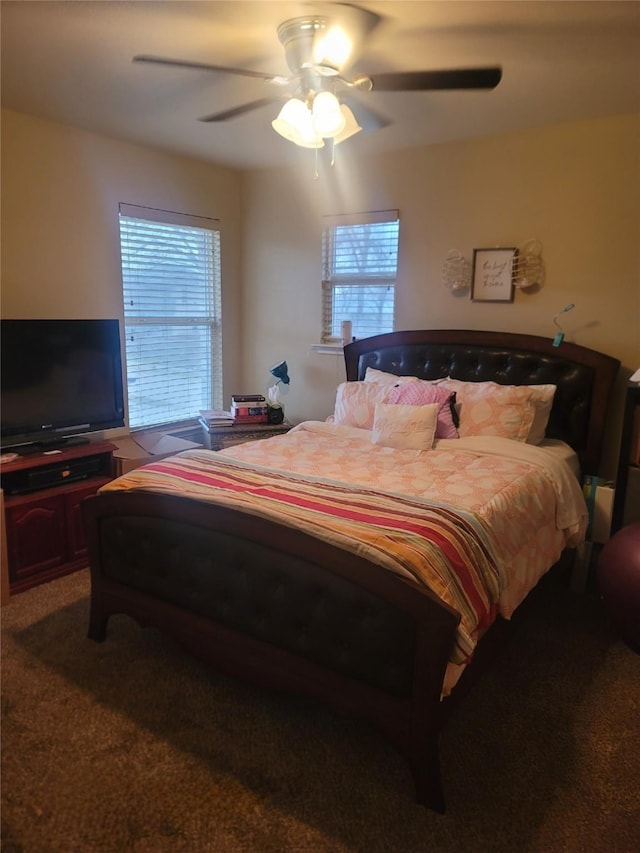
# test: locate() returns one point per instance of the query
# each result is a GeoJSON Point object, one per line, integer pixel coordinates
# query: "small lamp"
{"type": "Point", "coordinates": [281, 372]}
{"type": "Point", "coordinates": [275, 409]}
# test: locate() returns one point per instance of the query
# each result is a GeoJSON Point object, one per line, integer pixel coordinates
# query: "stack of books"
{"type": "Point", "coordinates": [214, 418]}
{"type": "Point", "coordinates": [249, 409]}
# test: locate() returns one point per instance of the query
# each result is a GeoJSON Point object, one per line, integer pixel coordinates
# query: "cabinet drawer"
{"type": "Point", "coordinates": [73, 502]}
{"type": "Point", "coordinates": [36, 537]}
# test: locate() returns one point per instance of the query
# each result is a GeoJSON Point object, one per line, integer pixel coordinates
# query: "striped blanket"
{"type": "Point", "coordinates": [446, 550]}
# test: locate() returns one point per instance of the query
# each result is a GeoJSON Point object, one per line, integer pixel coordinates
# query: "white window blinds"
{"type": "Point", "coordinates": [172, 315]}
{"type": "Point", "coordinates": [359, 270]}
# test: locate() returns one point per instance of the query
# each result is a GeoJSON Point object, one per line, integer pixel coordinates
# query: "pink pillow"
{"type": "Point", "coordinates": [488, 408]}
{"type": "Point", "coordinates": [356, 403]}
{"type": "Point", "coordinates": [423, 394]}
{"type": "Point", "coordinates": [405, 427]}
{"type": "Point", "coordinates": [372, 374]}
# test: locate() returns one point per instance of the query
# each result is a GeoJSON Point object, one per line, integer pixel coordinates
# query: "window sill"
{"type": "Point", "coordinates": [328, 349]}
{"type": "Point", "coordinates": [189, 431]}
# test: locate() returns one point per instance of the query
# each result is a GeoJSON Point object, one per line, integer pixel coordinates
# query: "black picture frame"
{"type": "Point", "coordinates": [492, 275]}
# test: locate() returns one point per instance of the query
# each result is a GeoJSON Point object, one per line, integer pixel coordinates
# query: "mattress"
{"type": "Point", "coordinates": [522, 505]}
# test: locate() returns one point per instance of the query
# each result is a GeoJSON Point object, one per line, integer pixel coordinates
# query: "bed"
{"type": "Point", "coordinates": [311, 579]}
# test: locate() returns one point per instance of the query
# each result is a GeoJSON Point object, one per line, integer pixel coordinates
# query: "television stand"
{"type": "Point", "coordinates": [43, 492]}
{"type": "Point", "coordinates": [31, 447]}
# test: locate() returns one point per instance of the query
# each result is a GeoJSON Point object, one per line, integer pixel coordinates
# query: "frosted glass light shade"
{"type": "Point", "coordinates": [307, 128]}
{"type": "Point", "coordinates": [351, 126]}
{"type": "Point", "coordinates": [327, 116]}
{"type": "Point", "coordinates": [295, 123]}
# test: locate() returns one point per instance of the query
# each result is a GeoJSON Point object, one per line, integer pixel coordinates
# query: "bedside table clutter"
{"type": "Point", "coordinates": [221, 437]}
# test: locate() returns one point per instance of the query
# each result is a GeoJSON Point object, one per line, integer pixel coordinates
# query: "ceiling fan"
{"type": "Point", "coordinates": [319, 49]}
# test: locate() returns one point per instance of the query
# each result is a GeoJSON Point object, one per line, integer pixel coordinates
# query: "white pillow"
{"type": "Point", "coordinates": [542, 400]}
{"type": "Point", "coordinates": [405, 427]}
{"type": "Point", "coordinates": [423, 393]}
{"type": "Point", "coordinates": [380, 377]}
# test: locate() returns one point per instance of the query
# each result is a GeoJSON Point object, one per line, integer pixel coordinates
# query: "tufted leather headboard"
{"type": "Point", "coordinates": [584, 377]}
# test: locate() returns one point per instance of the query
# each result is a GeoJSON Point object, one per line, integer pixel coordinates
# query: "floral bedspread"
{"type": "Point", "coordinates": [478, 521]}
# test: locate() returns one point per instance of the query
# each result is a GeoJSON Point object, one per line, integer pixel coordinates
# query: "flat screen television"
{"type": "Point", "coordinates": [60, 379]}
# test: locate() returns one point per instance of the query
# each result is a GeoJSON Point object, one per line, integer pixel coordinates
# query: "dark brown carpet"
{"type": "Point", "coordinates": [130, 745]}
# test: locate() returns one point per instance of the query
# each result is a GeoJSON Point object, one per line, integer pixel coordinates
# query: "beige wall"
{"type": "Point", "coordinates": [574, 187]}
{"type": "Point", "coordinates": [60, 243]}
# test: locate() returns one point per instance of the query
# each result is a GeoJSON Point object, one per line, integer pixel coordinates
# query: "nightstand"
{"type": "Point", "coordinates": [626, 500]}
{"type": "Point", "coordinates": [218, 438]}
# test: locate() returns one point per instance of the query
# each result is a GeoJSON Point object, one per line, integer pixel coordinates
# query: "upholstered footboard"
{"type": "Point", "coordinates": [275, 606]}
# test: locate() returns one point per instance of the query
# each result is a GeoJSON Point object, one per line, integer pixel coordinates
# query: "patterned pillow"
{"type": "Point", "coordinates": [424, 393]}
{"type": "Point", "coordinates": [405, 427]}
{"type": "Point", "coordinates": [488, 408]}
{"type": "Point", "coordinates": [356, 402]}
{"type": "Point", "coordinates": [542, 401]}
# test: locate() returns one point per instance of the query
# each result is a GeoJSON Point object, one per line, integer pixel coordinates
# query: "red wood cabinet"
{"type": "Point", "coordinates": [42, 498]}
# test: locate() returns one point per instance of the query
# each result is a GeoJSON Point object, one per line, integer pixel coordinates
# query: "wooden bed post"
{"type": "Point", "coordinates": [97, 623]}
{"type": "Point", "coordinates": [427, 777]}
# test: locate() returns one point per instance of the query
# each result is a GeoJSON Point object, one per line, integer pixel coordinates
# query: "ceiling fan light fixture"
{"type": "Point", "coordinates": [309, 142]}
{"type": "Point", "coordinates": [328, 119]}
{"type": "Point", "coordinates": [351, 126]}
{"type": "Point", "coordinates": [294, 122]}
{"type": "Point", "coordinates": [332, 48]}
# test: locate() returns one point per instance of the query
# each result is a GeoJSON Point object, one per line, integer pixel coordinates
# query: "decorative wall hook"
{"type": "Point", "coordinates": [560, 335]}
{"type": "Point", "coordinates": [528, 267]}
{"type": "Point", "coordinates": [456, 272]}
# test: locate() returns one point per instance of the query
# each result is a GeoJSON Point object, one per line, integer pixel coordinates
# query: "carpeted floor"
{"type": "Point", "coordinates": [130, 745]}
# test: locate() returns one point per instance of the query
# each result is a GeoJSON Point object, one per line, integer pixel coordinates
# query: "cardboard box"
{"type": "Point", "coordinates": [133, 451]}
{"type": "Point", "coordinates": [602, 512]}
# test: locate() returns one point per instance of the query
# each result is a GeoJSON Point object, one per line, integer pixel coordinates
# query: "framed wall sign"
{"type": "Point", "coordinates": [492, 275]}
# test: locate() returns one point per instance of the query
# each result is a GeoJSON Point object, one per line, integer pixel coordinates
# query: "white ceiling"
{"type": "Point", "coordinates": [70, 61]}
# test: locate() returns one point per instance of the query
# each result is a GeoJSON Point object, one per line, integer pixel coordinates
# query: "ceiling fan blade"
{"type": "Point", "coordinates": [224, 115]}
{"type": "Point", "coordinates": [205, 66]}
{"type": "Point", "coordinates": [425, 81]}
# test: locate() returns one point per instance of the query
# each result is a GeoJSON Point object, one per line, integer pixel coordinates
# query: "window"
{"type": "Point", "coordinates": [359, 268]}
{"type": "Point", "coordinates": [172, 315]}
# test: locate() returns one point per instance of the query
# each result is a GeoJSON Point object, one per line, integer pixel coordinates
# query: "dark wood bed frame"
{"type": "Point", "coordinates": [287, 611]}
